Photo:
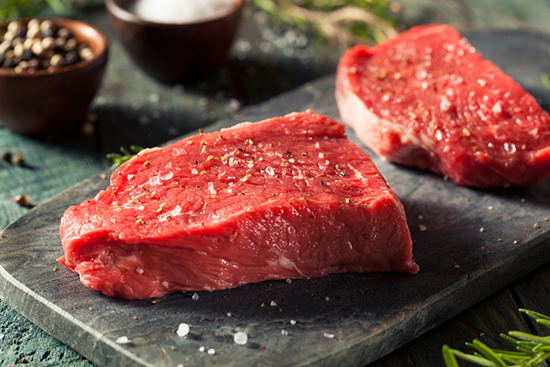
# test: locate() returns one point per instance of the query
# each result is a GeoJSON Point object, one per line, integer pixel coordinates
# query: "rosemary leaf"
{"type": "Point", "coordinates": [529, 337]}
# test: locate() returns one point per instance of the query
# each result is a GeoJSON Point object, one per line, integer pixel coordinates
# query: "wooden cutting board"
{"type": "Point", "coordinates": [469, 243]}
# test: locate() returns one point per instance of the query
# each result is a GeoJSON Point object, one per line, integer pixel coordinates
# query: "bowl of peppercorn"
{"type": "Point", "coordinates": [176, 42]}
{"type": "Point", "coordinates": [50, 71]}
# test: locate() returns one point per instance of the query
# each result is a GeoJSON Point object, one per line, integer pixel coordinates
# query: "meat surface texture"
{"type": "Point", "coordinates": [428, 99]}
{"type": "Point", "coordinates": [288, 197]}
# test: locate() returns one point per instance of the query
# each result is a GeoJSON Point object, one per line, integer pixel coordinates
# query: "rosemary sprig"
{"type": "Point", "coordinates": [343, 21]}
{"type": "Point", "coordinates": [118, 159]}
{"type": "Point", "coordinates": [532, 350]}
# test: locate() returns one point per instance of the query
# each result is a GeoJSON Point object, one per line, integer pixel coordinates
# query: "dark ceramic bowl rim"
{"type": "Point", "coordinates": [65, 69]}
{"type": "Point", "coordinates": [130, 17]}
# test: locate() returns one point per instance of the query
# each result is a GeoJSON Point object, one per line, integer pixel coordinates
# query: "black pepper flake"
{"type": "Point", "coordinates": [6, 156]}
{"type": "Point", "coordinates": [322, 183]}
{"type": "Point", "coordinates": [242, 150]}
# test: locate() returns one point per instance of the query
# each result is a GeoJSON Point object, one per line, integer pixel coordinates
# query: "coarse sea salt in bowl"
{"type": "Point", "coordinates": [176, 41]}
{"type": "Point", "coordinates": [51, 69]}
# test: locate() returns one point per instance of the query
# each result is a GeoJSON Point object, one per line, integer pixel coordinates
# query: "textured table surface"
{"type": "Point", "coordinates": [254, 73]}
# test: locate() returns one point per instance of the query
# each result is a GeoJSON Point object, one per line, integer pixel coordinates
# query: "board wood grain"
{"type": "Point", "coordinates": [469, 243]}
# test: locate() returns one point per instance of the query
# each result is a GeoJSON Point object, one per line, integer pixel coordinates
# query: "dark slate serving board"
{"type": "Point", "coordinates": [469, 243]}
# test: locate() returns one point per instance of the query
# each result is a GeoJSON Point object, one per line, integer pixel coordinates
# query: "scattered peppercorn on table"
{"type": "Point", "coordinates": [131, 109]}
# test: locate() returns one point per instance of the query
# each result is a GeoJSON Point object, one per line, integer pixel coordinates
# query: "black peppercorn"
{"type": "Point", "coordinates": [39, 45]}
{"type": "Point", "coordinates": [6, 155]}
{"type": "Point", "coordinates": [70, 58]}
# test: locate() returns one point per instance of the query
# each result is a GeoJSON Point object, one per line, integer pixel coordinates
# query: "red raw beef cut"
{"type": "Point", "coordinates": [288, 197]}
{"type": "Point", "coordinates": [427, 99]}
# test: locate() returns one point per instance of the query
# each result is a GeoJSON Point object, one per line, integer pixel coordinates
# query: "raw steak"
{"type": "Point", "coordinates": [288, 197]}
{"type": "Point", "coordinates": [427, 99]}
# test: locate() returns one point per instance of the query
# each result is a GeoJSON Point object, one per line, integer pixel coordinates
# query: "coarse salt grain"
{"type": "Point", "coordinates": [211, 351]}
{"type": "Point", "coordinates": [175, 211]}
{"type": "Point", "coordinates": [229, 314]}
{"type": "Point", "coordinates": [482, 229]}
{"type": "Point", "coordinates": [195, 297]}
{"type": "Point", "coordinates": [284, 332]}
{"type": "Point", "coordinates": [292, 322]}
{"type": "Point", "coordinates": [289, 281]}
{"type": "Point", "coordinates": [240, 338]}
{"type": "Point", "coordinates": [201, 349]}
{"type": "Point", "coordinates": [422, 227]}
{"type": "Point", "coordinates": [273, 303]}
{"type": "Point", "coordinates": [183, 330]}
{"type": "Point", "coordinates": [327, 335]}
{"type": "Point", "coordinates": [123, 340]}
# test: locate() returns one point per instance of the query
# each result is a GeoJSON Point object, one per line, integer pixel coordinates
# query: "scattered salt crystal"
{"type": "Point", "coordinates": [292, 322]}
{"type": "Point", "coordinates": [327, 335]}
{"type": "Point", "coordinates": [497, 108]}
{"type": "Point", "coordinates": [523, 200]}
{"type": "Point", "coordinates": [1, 336]}
{"type": "Point", "coordinates": [211, 351]}
{"type": "Point", "coordinates": [481, 334]}
{"type": "Point", "coordinates": [165, 284]}
{"type": "Point", "coordinates": [167, 176]}
{"type": "Point", "coordinates": [317, 145]}
{"type": "Point", "coordinates": [270, 171]}
{"type": "Point", "coordinates": [194, 171]}
{"type": "Point", "coordinates": [229, 314]}
{"type": "Point", "coordinates": [123, 340]}
{"type": "Point", "coordinates": [289, 281]}
{"type": "Point", "coordinates": [183, 330]}
{"type": "Point", "coordinates": [326, 299]}
{"type": "Point", "coordinates": [195, 297]}
{"type": "Point", "coordinates": [444, 105]}
{"type": "Point", "coordinates": [180, 365]}
{"type": "Point", "coordinates": [273, 303]}
{"type": "Point", "coordinates": [240, 338]}
{"type": "Point", "coordinates": [490, 207]}
{"type": "Point", "coordinates": [201, 349]}
{"type": "Point", "coordinates": [284, 332]}
{"type": "Point", "coordinates": [154, 98]}
{"type": "Point", "coordinates": [422, 227]}
{"type": "Point", "coordinates": [421, 74]}
{"type": "Point", "coordinates": [420, 216]}
{"type": "Point", "coordinates": [457, 266]}
{"type": "Point", "coordinates": [162, 217]}
{"type": "Point", "coordinates": [153, 181]}
{"type": "Point", "coordinates": [175, 211]}
{"type": "Point", "coordinates": [482, 229]}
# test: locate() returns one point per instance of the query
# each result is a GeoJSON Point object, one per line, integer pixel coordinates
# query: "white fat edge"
{"type": "Point", "coordinates": [148, 151]}
{"type": "Point", "coordinates": [284, 262]}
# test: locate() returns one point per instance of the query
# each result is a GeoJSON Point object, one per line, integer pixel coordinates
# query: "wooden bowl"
{"type": "Point", "coordinates": [50, 101]}
{"type": "Point", "coordinates": [174, 53]}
